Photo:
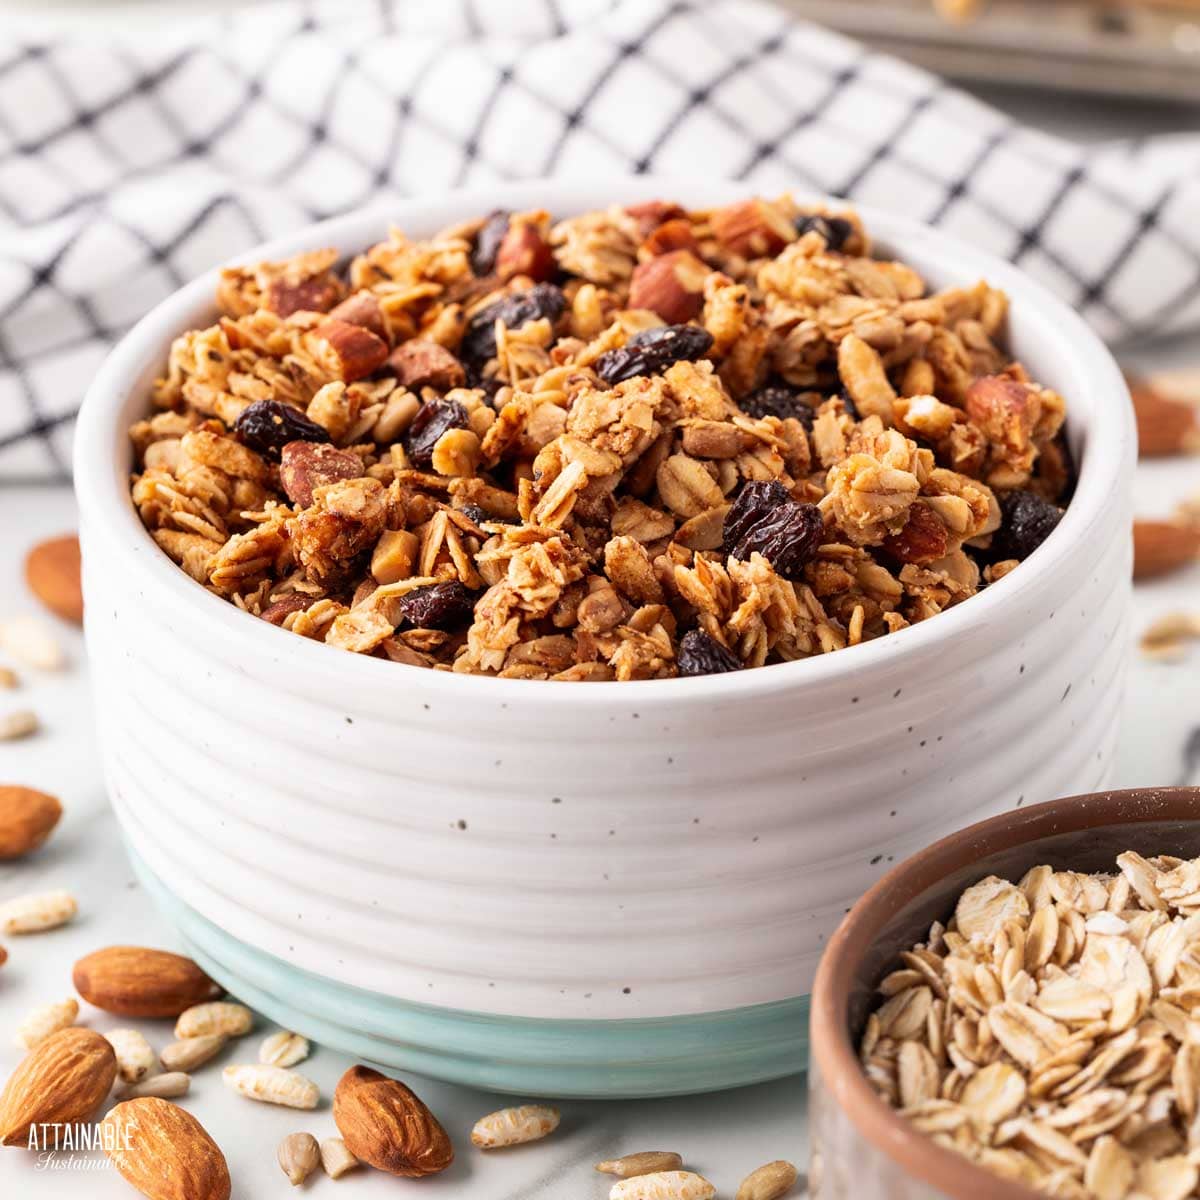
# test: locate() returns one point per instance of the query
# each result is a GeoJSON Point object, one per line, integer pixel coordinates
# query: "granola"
{"type": "Point", "coordinates": [528, 448]}
{"type": "Point", "coordinates": [1050, 1033]}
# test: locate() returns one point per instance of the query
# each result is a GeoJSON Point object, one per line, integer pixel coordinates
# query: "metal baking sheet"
{"type": "Point", "coordinates": [1131, 49]}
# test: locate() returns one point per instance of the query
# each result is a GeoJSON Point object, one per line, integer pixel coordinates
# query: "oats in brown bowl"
{"type": "Point", "coordinates": [1050, 1031]}
{"type": "Point", "coordinates": [631, 444]}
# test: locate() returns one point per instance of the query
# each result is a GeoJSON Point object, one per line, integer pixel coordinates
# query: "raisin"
{"type": "Point", "coordinates": [474, 513]}
{"type": "Point", "coordinates": [835, 230]}
{"type": "Point", "coordinates": [700, 654]}
{"type": "Point", "coordinates": [479, 341]}
{"type": "Point", "coordinates": [1027, 522]}
{"type": "Point", "coordinates": [653, 350]}
{"type": "Point", "coordinates": [765, 518]}
{"type": "Point", "coordinates": [433, 418]}
{"type": "Point", "coordinates": [487, 242]}
{"type": "Point", "coordinates": [268, 425]}
{"type": "Point", "coordinates": [776, 400]}
{"type": "Point", "coordinates": [438, 606]}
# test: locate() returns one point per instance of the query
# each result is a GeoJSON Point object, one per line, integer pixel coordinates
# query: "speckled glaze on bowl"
{"type": "Point", "coordinates": [861, 1149]}
{"type": "Point", "coordinates": [664, 851]}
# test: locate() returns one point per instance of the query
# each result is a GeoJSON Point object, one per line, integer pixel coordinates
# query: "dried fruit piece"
{"type": "Point", "coordinates": [61, 1082]}
{"type": "Point", "coordinates": [27, 818]}
{"type": "Point", "coordinates": [487, 242]}
{"type": "Point", "coordinates": [271, 1085]}
{"type": "Point", "coordinates": [52, 572]}
{"type": "Point", "coordinates": [645, 1162]}
{"type": "Point", "coordinates": [438, 606]}
{"type": "Point", "coordinates": [1028, 521]}
{"type": "Point", "coordinates": [306, 466]}
{"type": "Point", "coordinates": [652, 351]}
{"type": "Point", "coordinates": [1160, 547]}
{"type": "Point", "coordinates": [542, 301]}
{"type": "Point", "coordinates": [136, 1059]}
{"type": "Point", "coordinates": [190, 1053]}
{"type": "Point", "coordinates": [420, 363]}
{"type": "Point", "coordinates": [163, 1152]}
{"type": "Point", "coordinates": [664, 1185]}
{"type": "Point", "coordinates": [433, 419]}
{"type": "Point", "coordinates": [766, 520]}
{"type": "Point", "coordinates": [44, 1021]}
{"type": "Point", "coordinates": [387, 1126]}
{"type": "Point", "coordinates": [169, 1085]}
{"type": "Point", "coordinates": [336, 1158]}
{"type": "Point", "coordinates": [299, 1156]}
{"type": "Point", "coordinates": [133, 981]}
{"type": "Point", "coordinates": [37, 912]}
{"type": "Point", "coordinates": [218, 1016]}
{"type": "Point", "coordinates": [770, 1181]}
{"type": "Point", "coordinates": [776, 400]}
{"type": "Point", "coordinates": [1165, 425]}
{"type": "Point", "coordinates": [514, 1126]}
{"type": "Point", "coordinates": [835, 230]}
{"type": "Point", "coordinates": [363, 308]}
{"type": "Point", "coordinates": [268, 425]}
{"type": "Point", "coordinates": [283, 1049]}
{"type": "Point", "coordinates": [701, 654]}
{"type": "Point", "coordinates": [29, 641]}
{"type": "Point", "coordinates": [924, 539]}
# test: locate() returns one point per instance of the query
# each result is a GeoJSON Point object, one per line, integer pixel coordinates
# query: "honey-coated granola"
{"type": "Point", "coordinates": [631, 444]}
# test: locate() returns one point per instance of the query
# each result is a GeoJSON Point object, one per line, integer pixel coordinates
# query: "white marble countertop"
{"type": "Point", "coordinates": [723, 1135]}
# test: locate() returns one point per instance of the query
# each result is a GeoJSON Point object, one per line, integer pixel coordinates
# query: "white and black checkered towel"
{"type": "Point", "coordinates": [130, 164]}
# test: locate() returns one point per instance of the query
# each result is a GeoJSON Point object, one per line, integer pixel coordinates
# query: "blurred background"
{"type": "Point", "coordinates": [1087, 69]}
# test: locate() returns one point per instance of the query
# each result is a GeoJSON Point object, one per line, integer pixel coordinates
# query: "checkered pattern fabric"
{"type": "Point", "coordinates": [128, 166]}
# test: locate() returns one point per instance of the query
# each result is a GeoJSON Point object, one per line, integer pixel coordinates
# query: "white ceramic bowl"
{"type": "Point", "coordinates": [392, 858]}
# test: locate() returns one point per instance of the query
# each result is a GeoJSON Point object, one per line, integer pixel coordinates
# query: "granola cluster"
{"type": "Point", "coordinates": [1051, 1032]}
{"type": "Point", "coordinates": [631, 444]}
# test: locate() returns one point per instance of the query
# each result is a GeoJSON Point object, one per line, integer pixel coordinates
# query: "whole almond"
{"type": "Point", "coordinates": [3, 956]}
{"type": "Point", "coordinates": [52, 572]}
{"type": "Point", "coordinates": [1160, 547]}
{"type": "Point", "coordinates": [646, 1162]}
{"type": "Point", "coordinates": [1165, 425]}
{"type": "Point", "coordinates": [133, 981]}
{"type": "Point", "coordinates": [27, 818]}
{"type": "Point", "coordinates": [769, 1182]}
{"type": "Point", "coordinates": [60, 1082]}
{"type": "Point", "coordinates": [164, 1152]}
{"type": "Point", "coordinates": [386, 1125]}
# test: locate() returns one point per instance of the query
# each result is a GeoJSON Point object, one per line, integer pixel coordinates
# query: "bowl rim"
{"type": "Point", "coordinates": [832, 1050]}
{"type": "Point", "coordinates": [104, 500]}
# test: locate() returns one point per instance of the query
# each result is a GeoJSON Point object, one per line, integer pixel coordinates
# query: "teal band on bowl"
{"type": "Point", "coordinates": [668, 1056]}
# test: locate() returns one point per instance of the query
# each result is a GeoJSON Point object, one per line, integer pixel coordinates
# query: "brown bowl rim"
{"type": "Point", "coordinates": [833, 1052]}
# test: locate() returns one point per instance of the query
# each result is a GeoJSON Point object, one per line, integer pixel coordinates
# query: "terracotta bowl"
{"type": "Point", "coordinates": [861, 1149]}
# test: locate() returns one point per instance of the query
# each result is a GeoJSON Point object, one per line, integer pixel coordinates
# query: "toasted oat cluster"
{"type": "Point", "coordinates": [1051, 1032]}
{"type": "Point", "coordinates": [637, 443]}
